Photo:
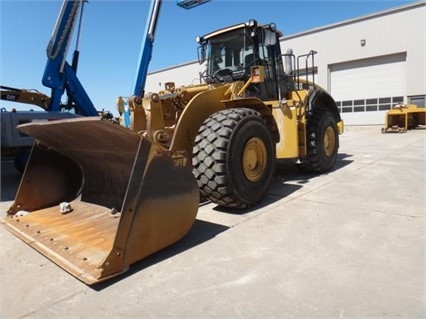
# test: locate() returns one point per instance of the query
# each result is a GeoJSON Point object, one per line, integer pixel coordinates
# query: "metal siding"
{"type": "Point", "coordinates": [181, 75]}
{"type": "Point", "coordinates": [390, 33]}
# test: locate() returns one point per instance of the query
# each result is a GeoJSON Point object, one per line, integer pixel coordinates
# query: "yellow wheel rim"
{"type": "Point", "coordinates": [254, 159]}
{"type": "Point", "coordinates": [329, 141]}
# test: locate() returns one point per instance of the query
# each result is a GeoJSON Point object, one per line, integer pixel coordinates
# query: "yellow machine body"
{"type": "Point", "coordinates": [131, 192]}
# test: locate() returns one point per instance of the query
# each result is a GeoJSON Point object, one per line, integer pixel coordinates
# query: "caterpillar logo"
{"type": "Point", "coordinates": [9, 97]}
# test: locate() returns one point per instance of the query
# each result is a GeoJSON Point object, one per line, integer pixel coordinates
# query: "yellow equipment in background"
{"type": "Point", "coordinates": [32, 97]}
{"type": "Point", "coordinates": [403, 117]}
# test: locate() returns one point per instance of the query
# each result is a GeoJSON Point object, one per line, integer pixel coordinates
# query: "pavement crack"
{"type": "Point", "coordinates": [49, 305]}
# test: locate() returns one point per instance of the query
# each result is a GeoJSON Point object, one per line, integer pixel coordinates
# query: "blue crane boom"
{"type": "Point", "coordinates": [147, 47]}
{"type": "Point", "coordinates": [189, 4]}
{"type": "Point", "coordinates": [60, 76]}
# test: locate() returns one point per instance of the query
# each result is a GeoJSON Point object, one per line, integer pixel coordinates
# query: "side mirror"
{"type": "Point", "coordinates": [270, 37]}
{"type": "Point", "coordinates": [202, 53]}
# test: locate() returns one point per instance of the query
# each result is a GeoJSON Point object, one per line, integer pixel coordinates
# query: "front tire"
{"type": "Point", "coordinates": [234, 158]}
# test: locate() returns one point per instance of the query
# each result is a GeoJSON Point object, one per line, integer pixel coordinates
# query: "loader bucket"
{"type": "Point", "coordinates": [128, 197]}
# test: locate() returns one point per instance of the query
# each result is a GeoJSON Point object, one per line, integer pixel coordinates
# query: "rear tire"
{"type": "Point", "coordinates": [322, 140]}
{"type": "Point", "coordinates": [234, 158]}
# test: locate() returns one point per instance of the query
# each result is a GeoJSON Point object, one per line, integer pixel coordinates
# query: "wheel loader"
{"type": "Point", "coordinates": [130, 192]}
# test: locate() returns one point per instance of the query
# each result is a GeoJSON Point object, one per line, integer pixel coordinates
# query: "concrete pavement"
{"type": "Point", "coordinates": [347, 244]}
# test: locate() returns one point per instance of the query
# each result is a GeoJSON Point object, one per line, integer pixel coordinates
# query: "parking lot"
{"type": "Point", "coordinates": [347, 244]}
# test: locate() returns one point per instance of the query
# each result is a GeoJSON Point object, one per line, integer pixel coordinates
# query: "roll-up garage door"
{"type": "Point", "coordinates": [365, 89]}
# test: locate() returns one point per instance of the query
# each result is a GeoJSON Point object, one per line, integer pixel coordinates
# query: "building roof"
{"type": "Point", "coordinates": [374, 15]}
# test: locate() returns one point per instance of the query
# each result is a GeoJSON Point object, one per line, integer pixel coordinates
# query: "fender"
{"type": "Point", "coordinates": [261, 107]}
{"type": "Point", "coordinates": [196, 111]}
{"type": "Point", "coordinates": [320, 99]}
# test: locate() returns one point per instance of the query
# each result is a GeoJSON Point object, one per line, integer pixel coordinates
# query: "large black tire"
{"type": "Point", "coordinates": [234, 158]}
{"type": "Point", "coordinates": [322, 140]}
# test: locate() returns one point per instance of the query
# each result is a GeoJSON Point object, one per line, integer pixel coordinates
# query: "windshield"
{"type": "Point", "coordinates": [229, 53]}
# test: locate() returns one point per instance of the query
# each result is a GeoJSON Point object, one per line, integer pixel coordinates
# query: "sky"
{"type": "Point", "coordinates": [113, 32]}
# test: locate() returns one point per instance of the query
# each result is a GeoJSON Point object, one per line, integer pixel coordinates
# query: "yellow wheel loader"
{"type": "Point", "coordinates": [97, 197]}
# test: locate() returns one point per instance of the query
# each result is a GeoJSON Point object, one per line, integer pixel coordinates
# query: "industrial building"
{"type": "Point", "coordinates": [368, 63]}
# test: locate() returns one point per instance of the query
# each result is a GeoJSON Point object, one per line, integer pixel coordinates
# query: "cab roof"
{"type": "Point", "coordinates": [251, 22]}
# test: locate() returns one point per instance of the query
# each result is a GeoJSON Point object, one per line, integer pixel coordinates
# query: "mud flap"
{"type": "Point", "coordinates": [128, 197]}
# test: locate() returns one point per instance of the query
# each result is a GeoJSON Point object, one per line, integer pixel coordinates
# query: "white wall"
{"type": "Point", "coordinates": [400, 30]}
{"type": "Point", "coordinates": [183, 74]}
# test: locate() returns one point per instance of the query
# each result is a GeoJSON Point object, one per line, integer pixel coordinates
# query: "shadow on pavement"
{"type": "Point", "coordinates": [200, 232]}
{"type": "Point", "coordinates": [288, 179]}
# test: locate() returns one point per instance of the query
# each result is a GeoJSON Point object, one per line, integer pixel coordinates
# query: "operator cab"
{"type": "Point", "coordinates": [230, 53]}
